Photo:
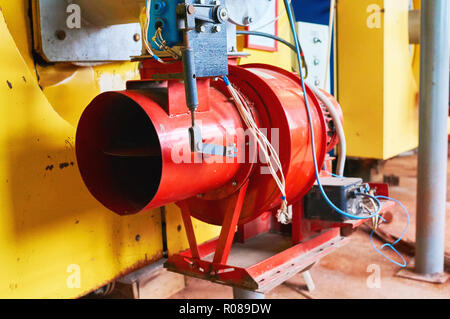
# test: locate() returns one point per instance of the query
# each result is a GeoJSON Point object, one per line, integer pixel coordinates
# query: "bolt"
{"type": "Point", "coordinates": [248, 20]}
{"type": "Point", "coordinates": [202, 28]}
{"type": "Point", "coordinates": [317, 40]}
{"type": "Point", "coordinates": [137, 37]}
{"type": "Point", "coordinates": [60, 34]}
{"type": "Point", "coordinates": [217, 28]}
{"type": "Point", "coordinates": [316, 82]}
{"type": "Point", "coordinates": [191, 9]}
{"type": "Point", "coordinates": [216, 2]}
{"type": "Point", "coordinates": [234, 183]}
{"type": "Point", "coordinates": [223, 14]}
{"type": "Point", "coordinates": [201, 1]}
{"type": "Point", "coordinates": [316, 61]}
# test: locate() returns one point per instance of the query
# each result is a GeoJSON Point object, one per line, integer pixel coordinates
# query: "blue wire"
{"type": "Point", "coordinates": [334, 175]}
{"type": "Point", "coordinates": [376, 198]}
{"type": "Point", "coordinates": [294, 32]}
{"type": "Point", "coordinates": [404, 264]}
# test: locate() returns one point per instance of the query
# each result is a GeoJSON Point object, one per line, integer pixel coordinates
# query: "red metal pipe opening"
{"type": "Point", "coordinates": [133, 146]}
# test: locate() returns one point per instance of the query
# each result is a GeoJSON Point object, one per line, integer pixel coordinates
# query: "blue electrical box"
{"type": "Point", "coordinates": [163, 14]}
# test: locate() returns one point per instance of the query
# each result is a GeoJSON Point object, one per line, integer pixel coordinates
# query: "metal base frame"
{"type": "Point", "coordinates": [258, 265]}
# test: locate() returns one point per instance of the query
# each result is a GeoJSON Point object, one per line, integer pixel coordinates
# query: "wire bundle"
{"type": "Point", "coordinates": [162, 44]}
{"type": "Point", "coordinates": [147, 24]}
{"type": "Point", "coordinates": [270, 154]}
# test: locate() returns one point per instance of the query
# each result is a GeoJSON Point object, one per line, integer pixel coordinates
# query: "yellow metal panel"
{"type": "Point", "coordinates": [16, 11]}
{"type": "Point", "coordinates": [401, 93]}
{"type": "Point", "coordinates": [360, 78]}
{"type": "Point", "coordinates": [51, 229]}
{"type": "Point", "coordinates": [377, 87]}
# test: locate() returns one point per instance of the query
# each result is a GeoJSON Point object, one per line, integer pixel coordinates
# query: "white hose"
{"type": "Point", "coordinates": [339, 128]}
{"type": "Point", "coordinates": [330, 41]}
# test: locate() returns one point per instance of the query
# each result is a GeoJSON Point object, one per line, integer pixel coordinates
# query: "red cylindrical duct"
{"type": "Point", "coordinates": [133, 146]}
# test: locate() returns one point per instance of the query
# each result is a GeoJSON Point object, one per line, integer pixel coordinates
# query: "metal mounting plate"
{"type": "Point", "coordinates": [55, 41]}
{"type": "Point", "coordinates": [246, 12]}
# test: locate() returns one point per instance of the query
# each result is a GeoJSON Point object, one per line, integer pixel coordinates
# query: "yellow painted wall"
{"type": "Point", "coordinates": [377, 84]}
{"type": "Point", "coordinates": [51, 228]}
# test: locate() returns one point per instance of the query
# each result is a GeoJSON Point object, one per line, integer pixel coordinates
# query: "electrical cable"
{"type": "Point", "coordinates": [162, 44]}
{"type": "Point", "coordinates": [404, 264]}
{"type": "Point", "coordinates": [284, 215]}
{"type": "Point", "coordinates": [276, 38]}
{"type": "Point", "coordinates": [330, 40]}
{"type": "Point", "coordinates": [266, 35]}
{"type": "Point", "coordinates": [339, 128]}
{"type": "Point", "coordinates": [270, 22]}
{"type": "Point", "coordinates": [311, 126]}
{"type": "Point", "coordinates": [148, 4]}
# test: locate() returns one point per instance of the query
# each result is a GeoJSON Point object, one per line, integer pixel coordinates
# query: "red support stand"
{"type": "Point", "coordinates": [258, 263]}
{"type": "Point", "coordinates": [229, 229]}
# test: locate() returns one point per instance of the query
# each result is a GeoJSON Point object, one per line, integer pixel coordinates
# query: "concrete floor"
{"type": "Point", "coordinates": [348, 272]}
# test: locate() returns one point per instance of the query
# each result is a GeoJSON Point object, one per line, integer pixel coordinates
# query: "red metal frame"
{"type": "Point", "coordinates": [311, 240]}
{"type": "Point", "coordinates": [229, 229]}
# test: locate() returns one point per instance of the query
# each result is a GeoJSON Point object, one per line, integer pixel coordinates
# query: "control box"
{"type": "Point", "coordinates": [341, 192]}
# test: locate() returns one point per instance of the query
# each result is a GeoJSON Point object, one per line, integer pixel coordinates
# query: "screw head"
{"type": "Point", "coordinates": [248, 20]}
{"type": "Point", "coordinates": [217, 28]}
{"type": "Point", "coordinates": [191, 9]}
{"type": "Point", "coordinates": [223, 14]}
{"type": "Point", "coordinates": [60, 34]}
{"type": "Point", "coordinates": [202, 28]}
{"type": "Point", "coordinates": [136, 37]}
{"type": "Point", "coordinates": [234, 183]}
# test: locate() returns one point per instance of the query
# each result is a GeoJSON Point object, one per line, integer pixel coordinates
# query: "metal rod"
{"type": "Point", "coordinates": [432, 165]}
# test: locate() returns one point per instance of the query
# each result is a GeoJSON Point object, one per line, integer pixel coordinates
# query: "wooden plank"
{"type": "Point", "coordinates": [151, 282]}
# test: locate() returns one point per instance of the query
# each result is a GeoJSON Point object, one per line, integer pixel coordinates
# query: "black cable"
{"type": "Point", "coordinates": [274, 37]}
{"type": "Point", "coordinates": [267, 35]}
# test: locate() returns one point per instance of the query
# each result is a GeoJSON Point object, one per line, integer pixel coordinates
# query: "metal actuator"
{"type": "Point", "coordinates": [198, 30]}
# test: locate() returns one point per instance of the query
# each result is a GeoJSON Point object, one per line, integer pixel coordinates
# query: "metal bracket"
{"type": "Point", "coordinates": [56, 41]}
{"type": "Point", "coordinates": [219, 150]}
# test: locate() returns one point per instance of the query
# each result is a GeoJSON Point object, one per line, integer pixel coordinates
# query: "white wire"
{"type": "Point", "coordinates": [339, 128]}
{"type": "Point", "coordinates": [265, 146]}
{"type": "Point", "coordinates": [272, 21]}
{"type": "Point", "coordinates": [147, 24]}
{"type": "Point", "coordinates": [330, 35]}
